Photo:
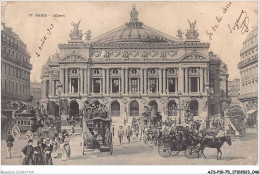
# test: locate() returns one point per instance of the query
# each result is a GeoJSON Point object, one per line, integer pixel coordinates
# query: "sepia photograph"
{"type": "Point", "coordinates": [129, 83]}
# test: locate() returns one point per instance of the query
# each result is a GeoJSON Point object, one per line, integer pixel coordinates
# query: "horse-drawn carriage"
{"type": "Point", "coordinates": [98, 135]}
{"type": "Point", "coordinates": [181, 140]}
{"type": "Point", "coordinates": [29, 124]}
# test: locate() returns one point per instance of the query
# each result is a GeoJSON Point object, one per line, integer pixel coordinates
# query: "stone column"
{"type": "Point", "coordinates": [81, 81]}
{"type": "Point", "coordinates": [53, 87]}
{"type": "Point", "coordinates": [145, 81]}
{"type": "Point", "coordinates": [44, 89]}
{"type": "Point", "coordinates": [89, 79]}
{"type": "Point", "coordinates": [85, 81]}
{"type": "Point", "coordinates": [122, 81]}
{"type": "Point", "coordinates": [186, 80]}
{"type": "Point", "coordinates": [180, 80]}
{"type": "Point", "coordinates": [201, 80]}
{"type": "Point", "coordinates": [126, 82]}
{"type": "Point", "coordinates": [62, 79]}
{"type": "Point", "coordinates": [160, 81]}
{"type": "Point", "coordinates": [108, 80]}
{"type": "Point", "coordinates": [66, 81]}
{"type": "Point", "coordinates": [50, 86]}
{"type": "Point", "coordinates": [104, 80]}
{"type": "Point", "coordinates": [141, 81]}
{"type": "Point", "coordinates": [164, 81]}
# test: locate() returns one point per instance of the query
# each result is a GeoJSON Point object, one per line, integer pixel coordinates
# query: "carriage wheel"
{"type": "Point", "coordinates": [16, 132]}
{"type": "Point", "coordinates": [165, 150]}
{"type": "Point", "coordinates": [191, 152]}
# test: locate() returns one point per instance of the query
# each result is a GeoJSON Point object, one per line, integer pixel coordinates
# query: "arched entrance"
{"type": "Point", "coordinates": [74, 109]}
{"type": "Point", "coordinates": [194, 107]}
{"type": "Point", "coordinates": [115, 108]}
{"type": "Point", "coordinates": [134, 108]}
{"type": "Point", "coordinates": [172, 108]}
{"type": "Point", "coordinates": [154, 105]}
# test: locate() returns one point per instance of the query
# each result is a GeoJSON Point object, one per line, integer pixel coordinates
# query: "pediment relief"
{"type": "Point", "coordinates": [74, 58]}
{"type": "Point", "coordinates": [194, 57]}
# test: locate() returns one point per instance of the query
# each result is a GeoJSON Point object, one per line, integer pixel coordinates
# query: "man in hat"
{"type": "Point", "coordinates": [129, 133]}
{"type": "Point", "coordinates": [47, 160]}
{"type": "Point", "coordinates": [9, 141]}
{"type": "Point", "coordinates": [120, 134]}
{"type": "Point", "coordinates": [38, 152]}
{"type": "Point", "coordinates": [27, 153]}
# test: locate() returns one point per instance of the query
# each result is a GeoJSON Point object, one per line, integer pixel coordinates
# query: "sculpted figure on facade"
{"type": "Point", "coordinates": [88, 35]}
{"type": "Point", "coordinates": [192, 33]}
{"type": "Point", "coordinates": [76, 34]}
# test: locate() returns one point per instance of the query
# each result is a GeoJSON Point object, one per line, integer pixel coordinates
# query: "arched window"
{"type": "Point", "coordinates": [115, 109]}
{"type": "Point", "coordinates": [154, 105]}
{"type": "Point", "coordinates": [134, 108]}
{"type": "Point", "coordinates": [194, 107]}
{"type": "Point", "coordinates": [172, 108]}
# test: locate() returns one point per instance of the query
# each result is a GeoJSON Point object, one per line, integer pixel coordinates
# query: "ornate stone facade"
{"type": "Point", "coordinates": [135, 66]}
{"type": "Point", "coordinates": [248, 67]}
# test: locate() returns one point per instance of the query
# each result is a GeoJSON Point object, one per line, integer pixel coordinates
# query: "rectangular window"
{"type": "Point", "coordinates": [74, 85]}
{"type": "Point", "coordinates": [194, 84]}
{"type": "Point", "coordinates": [115, 85]}
{"type": "Point", "coordinates": [152, 84]}
{"type": "Point", "coordinates": [134, 85]}
{"type": "Point", "coordinates": [172, 84]}
{"type": "Point", "coordinates": [96, 85]}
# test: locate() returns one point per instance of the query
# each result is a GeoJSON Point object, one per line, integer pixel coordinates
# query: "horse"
{"type": "Point", "coordinates": [214, 143]}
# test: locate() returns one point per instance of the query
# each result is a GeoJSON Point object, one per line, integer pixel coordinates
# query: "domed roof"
{"type": "Point", "coordinates": [134, 31]}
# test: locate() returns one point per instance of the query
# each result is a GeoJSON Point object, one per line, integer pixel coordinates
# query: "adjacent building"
{"type": "Point", "coordinates": [234, 91]}
{"type": "Point", "coordinates": [248, 67]}
{"type": "Point", "coordinates": [15, 73]}
{"type": "Point", "coordinates": [135, 66]}
{"type": "Point", "coordinates": [35, 92]}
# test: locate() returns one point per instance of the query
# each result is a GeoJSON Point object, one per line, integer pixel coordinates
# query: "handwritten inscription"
{"type": "Point", "coordinates": [44, 38]}
{"type": "Point", "coordinates": [241, 23]}
{"type": "Point", "coordinates": [219, 19]}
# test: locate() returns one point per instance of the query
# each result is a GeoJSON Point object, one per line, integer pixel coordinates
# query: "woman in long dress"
{"type": "Point", "coordinates": [65, 149]}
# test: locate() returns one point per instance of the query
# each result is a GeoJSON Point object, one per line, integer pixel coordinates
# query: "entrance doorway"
{"type": "Point", "coordinates": [74, 109]}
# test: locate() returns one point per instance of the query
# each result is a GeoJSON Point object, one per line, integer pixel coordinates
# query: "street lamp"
{"type": "Point", "coordinates": [60, 88]}
{"type": "Point", "coordinates": [179, 97]}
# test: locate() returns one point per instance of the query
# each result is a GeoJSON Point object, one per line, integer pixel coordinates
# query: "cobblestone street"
{"type": "Point", "coordinates": [136, 153]}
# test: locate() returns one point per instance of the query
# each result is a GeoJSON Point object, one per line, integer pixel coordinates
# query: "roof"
{"type": "Point", "coordinates": [134, 31]}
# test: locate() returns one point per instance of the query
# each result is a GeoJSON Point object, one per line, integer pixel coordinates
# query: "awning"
{"type": "Point", "coordinates": [251, 112]}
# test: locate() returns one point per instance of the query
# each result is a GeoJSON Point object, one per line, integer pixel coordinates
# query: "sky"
{"type": "Point", "coordinates": [101, 17]}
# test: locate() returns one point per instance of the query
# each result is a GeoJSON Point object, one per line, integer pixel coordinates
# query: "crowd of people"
{"type": "Point", "coordinates": [46, 149]}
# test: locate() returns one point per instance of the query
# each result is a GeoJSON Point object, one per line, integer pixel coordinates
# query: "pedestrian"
{"type": "Point", "coordinates": [113, 130]}
{"type": "Point", "coordinates": [38, 151]}
{"type": "Point", "coordinates": [120, 134]}
{"type": "Point", "coordinates": [27, 153]}
{"type": "Point", "coordinates": [9, 142]}
{"type": "Point", "coordinates": [47, 159]}
{"type": "Point", "coordinates": [129, 133]}
{"type": "Point", "coordinates": [65, 150]}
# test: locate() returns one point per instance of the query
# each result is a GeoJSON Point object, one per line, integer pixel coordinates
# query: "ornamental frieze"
{"type": "Point", "coordinates": [74, 72]}
{"type": "Point", "coordinates": [194, 71]}
{"type": "Point", "coordinates": [74, 58]}
{"type": "Point", "coordinates": [152, 71]}
{"type": "Point", "coordinates": [55, 73]}
{"type": "Point", "coordinates": [172, 71]}
{"type": "Point", "coordinates": [96, 72]}
{"type": "Point", "coordinates": [194, 58]}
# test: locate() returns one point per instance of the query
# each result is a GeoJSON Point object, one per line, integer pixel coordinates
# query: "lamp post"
{"type": "Point", "coordinates": [179, 96]}
{"type": "Point", "coordinates": [208, 97]}
{"type": "Point", "coordinates": [59, 87]}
